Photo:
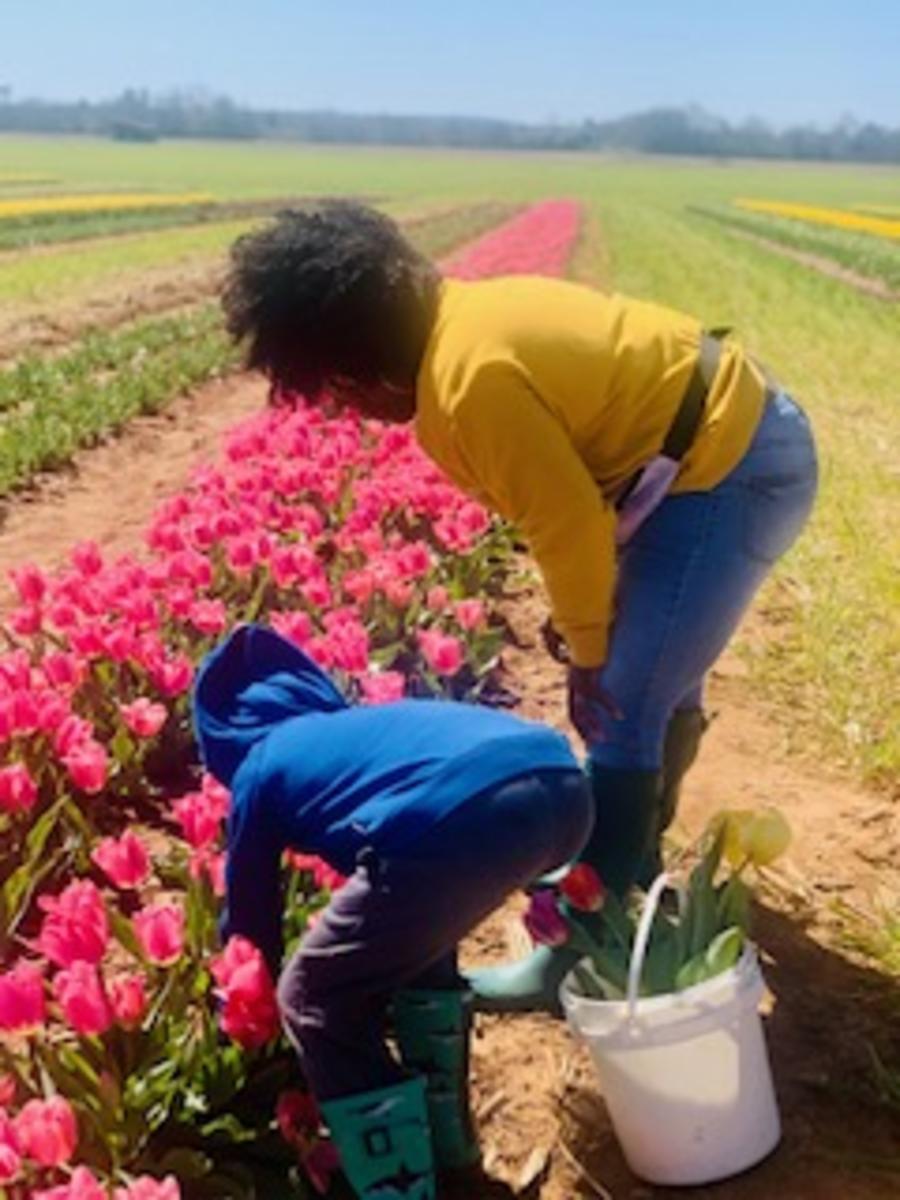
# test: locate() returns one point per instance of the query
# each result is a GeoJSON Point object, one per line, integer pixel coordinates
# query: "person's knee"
{"type": "Point", "coordinates": [300, 996]}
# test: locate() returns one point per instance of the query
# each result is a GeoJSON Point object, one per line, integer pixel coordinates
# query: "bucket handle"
{"type": "Point", "coordinates": [642, 940]}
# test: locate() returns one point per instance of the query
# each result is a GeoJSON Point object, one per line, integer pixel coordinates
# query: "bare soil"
{"type": "Point", "coordinates": [868, 284]}
{"type": "Point", "coordinates": [544, 1128]}
{"type": "Point", "coordinates": [156, 290]}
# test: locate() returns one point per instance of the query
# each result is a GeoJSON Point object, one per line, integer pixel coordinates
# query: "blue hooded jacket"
{"type": "Point", "coordinates": [309, 772]}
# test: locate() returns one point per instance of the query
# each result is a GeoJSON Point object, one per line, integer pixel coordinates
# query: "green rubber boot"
{"type": "Point", "coordinates": [627, 806]}
{"type": "Point", "coordinates": [682, 745]}
{"type": "Point", "coordinates": [432, 1030]}
{"type": "Point", "coordinates": [384, 1142]}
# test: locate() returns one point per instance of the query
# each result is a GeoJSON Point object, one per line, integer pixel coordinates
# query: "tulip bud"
{"type": "Point", "coordinates": [583, 888]}
{"type": "Point", "coordinates": [544, 921]}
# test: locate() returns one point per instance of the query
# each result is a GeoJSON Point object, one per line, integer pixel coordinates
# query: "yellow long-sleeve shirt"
{"type": "Point", "coordinates": [542, 398]}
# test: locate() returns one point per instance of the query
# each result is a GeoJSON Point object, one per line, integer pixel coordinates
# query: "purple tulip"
{"type": "Point", "coordinates": [545, 922]}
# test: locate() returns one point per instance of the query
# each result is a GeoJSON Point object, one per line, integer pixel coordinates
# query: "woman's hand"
{"type": "Point", "coordinates": [591, 707]}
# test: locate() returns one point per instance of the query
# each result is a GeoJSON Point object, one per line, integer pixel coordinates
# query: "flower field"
{"type": "Point", "coordinates": [42, 206]}
{"type": "Point", "coordinates": [52, 406]}
{"type": "Point", "coordinates": [137, 1062]}
{"type": "Point", "coordinates": [859, 222]}
{"type": "Point", "coordinates": [140, 1060]}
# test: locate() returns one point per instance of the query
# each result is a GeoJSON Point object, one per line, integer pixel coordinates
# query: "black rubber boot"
{"type": "Point", "coordinates": [682, 745]}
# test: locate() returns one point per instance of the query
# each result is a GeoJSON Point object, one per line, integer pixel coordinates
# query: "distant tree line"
{"type": "Point", "coordinates": [137, 115]}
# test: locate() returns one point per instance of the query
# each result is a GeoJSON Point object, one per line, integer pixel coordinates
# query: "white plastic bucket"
{"type": "Point", "coordinates": [685, 1076]}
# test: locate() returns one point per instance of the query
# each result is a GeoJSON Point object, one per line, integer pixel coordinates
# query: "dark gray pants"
{"type": "Point", "coordinates": [397, 922]}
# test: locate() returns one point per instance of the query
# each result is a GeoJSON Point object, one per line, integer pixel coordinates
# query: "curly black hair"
{"type": "Point", "coordinates": [330, 289]}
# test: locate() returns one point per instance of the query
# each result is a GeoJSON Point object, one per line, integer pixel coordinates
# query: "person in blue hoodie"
{"type": "Point", "coordinates": [436, 811]}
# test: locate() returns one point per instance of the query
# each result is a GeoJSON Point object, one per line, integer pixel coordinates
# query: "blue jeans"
{"type": "Point", "coordinates": [690, 572]}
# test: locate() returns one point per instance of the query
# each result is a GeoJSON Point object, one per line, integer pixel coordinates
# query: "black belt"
{"type": "Point", "coordinates": [686, 422]}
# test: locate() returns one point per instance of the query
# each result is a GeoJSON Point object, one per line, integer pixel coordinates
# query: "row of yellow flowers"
{"type": "Point", "coordinates": [41, 206]}
{"type": "Point", "coordinates": [835, 217]}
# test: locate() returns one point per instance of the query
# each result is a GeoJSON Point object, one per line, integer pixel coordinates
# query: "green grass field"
{"type": "Point", "coordinates": [833, 655]}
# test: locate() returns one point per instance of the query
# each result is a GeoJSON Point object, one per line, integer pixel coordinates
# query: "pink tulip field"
{"type": "Point", "coordinates": [139, 1058]}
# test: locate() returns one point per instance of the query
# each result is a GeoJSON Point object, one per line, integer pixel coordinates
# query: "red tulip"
{"type": "Point", "coordinates": [583, 888]}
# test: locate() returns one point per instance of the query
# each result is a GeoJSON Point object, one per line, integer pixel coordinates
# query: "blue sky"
{"type": "Point", "coordinates": [797, 60]}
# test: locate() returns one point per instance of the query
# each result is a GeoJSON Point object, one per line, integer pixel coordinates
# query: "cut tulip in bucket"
{"type": "Point", "coordinates": [667, 1000]}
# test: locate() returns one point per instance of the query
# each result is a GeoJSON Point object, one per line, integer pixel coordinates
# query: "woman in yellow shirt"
{"type": "Point", "coordinates": [653, 471]}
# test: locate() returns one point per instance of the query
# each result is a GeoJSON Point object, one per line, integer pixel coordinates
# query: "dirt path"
{"type": "Point", "coordinates": [535, 1093]}
{"type": "Point", "coordinates": [143, 293]}
{"type": "Point", "coordinates": [111, 491]}
{"type": "Point", "coordinates": [868, 284]}
{"type": "Point", "coordinates": [536, 1090]}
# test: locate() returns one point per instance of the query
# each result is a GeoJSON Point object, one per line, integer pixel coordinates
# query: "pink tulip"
{"type": "Point", "coordinates": [87, 559]}
{"type": "Point", "coordinates": [10, 1158]}
{"type": "Point", "coordinates": [88, 766]}
{"type": "Point", "coordinates": [382, 687]}
{"type": "Point", "coordinates": [437, 598]}
{"type": "Point", "coordinates": [24, 712]}
{"type": "Point", "coordinates": [75, 927]}
{"type": "Point", "coordinates": [144, 717]}
{"type": "Point", "coordinates": [26, 621]}
{"type": "Point", "coordinates": [128, 999]}
{"type": "Point", "coordinates": [146, 1187]}
{"type": "Point", "coordinates": [442, 652]}
{"type": "Point", "coordinates": [295, 626]}
{"type": "Point", "coordinates": [209, 617]}
{"type": "Point", "coordinates": [160, 932]}
{"type": "Point", "coordinates": [216, 793]}
{"type": "Point", "coordinates": [52, 711]}
{"type": "Point", "coordinates": [125, 861]}
{"type": "Point", "coordinates": [470, 614]}
{"type": "Point", "coordinates": [8, 1089]}
{"type": "Point", "coordinates": [174, 676]}
{"type": "Point", "coordinates": [72, 733]}
{"type": "Point", "coordinates": [249, 1014]}
{"type": "Point", "coordinates": [47, 1131]}
{"type": "Point", "coordinates": [22, 1002]}
{"type": "Point", "coordinates": [79, 992]}
{"type": "Point", "coordinates": [18, 791]}
{"type": "Point", "coordinates": [30, 582]}
{"type": "Point", "coordinates": [81, 1186]}
{"type": "Point", "coordinates": [204, 862]}
{"type": "Point", "coordinates": [200, 818]}
{"type": "Point", "coordinates": [120, 643]}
